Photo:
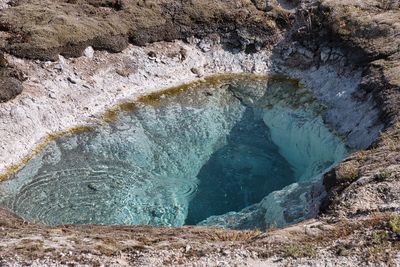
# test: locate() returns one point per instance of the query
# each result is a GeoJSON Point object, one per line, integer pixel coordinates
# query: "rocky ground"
{"type": "Point", "coordinates": [104, 60]}
{"type": "Point", "coordinates": [328, 241]}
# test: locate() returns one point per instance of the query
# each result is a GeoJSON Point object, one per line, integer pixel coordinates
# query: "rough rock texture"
{"type": "Point", "coordinates": [10, 86]}
{"type": "Point", "coordinates": [369, 182]}
{"type": "Point", "coordinates": [360, 217]}
{"type": "Point", "coordinates": [363, 34]}
{"type": "Point", "coordinates": [372, 26]}
{"type": "Point", "coordinates": [44, 29]}
{"type": "Point", "coordinates": [312, 243]}
{"type": "Point", "coordinates": [10, 80]}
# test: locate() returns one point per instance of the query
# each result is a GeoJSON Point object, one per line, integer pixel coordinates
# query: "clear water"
{"type": "Point", "coordinates": [179, 159]}
{"type": "Point", "coordinates": [242, 172]}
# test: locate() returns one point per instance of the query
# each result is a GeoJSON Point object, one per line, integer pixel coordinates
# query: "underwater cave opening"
{"type": "Point", "coordinates": [242, 172]}
{"type": "Point", "coordinates": [181, 157]}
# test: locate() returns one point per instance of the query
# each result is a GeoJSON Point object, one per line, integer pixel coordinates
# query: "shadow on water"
{"type": "Point", "coordinates": [241, 173]}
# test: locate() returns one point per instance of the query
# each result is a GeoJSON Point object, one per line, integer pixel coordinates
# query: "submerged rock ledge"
{"type": "Point", "coordinates": [346, 52]}
{"type": "Point", "coordinates": [252, 135]}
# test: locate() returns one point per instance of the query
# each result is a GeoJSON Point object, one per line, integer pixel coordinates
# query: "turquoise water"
{"type": "Point", "coordinates": [242, 172]}
{"type": "Point", "coordinates": [206, 151]}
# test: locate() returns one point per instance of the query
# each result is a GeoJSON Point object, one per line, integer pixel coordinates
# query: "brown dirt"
{"type": "Point", "coordinates": [43, 29]}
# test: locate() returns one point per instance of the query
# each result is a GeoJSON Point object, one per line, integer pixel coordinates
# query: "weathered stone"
{"type": "Point", "coordinates": [9, 88]}
{"type": "Point", "coordinates": [260, 4]}
{"type": "Point", "coordinates": [89, 52]}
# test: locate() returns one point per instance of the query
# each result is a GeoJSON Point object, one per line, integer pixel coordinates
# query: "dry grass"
{"type": "Point", "coordinates": [382, 175]}
{"type": "Point", "coordinates": [362, 155]}
{"type": "Point", "coordinates": [347, 171]}
{"type": "Point", "coordinates": [395, 224]}
{"type": "Point", "coordinates": [300, 251]}
{"type": "Point", "coordinates": [233, 235]}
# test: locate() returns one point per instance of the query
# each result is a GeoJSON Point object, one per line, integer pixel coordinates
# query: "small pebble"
{"type": "Point", "coordinates": [152, 55]}
{"type": "Point", "coordinates": [71, 80]}
{"type": "Point", "coordinates": [89, 52]}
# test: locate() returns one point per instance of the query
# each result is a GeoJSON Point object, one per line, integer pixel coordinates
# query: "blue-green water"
{"type": "Point", "coordinates": [206, 151]}
{"type": "Point", "coordinates": [240, 173]}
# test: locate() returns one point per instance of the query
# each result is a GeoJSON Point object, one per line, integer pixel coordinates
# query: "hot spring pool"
{"type": "Point", "coordinates": [210, 154]}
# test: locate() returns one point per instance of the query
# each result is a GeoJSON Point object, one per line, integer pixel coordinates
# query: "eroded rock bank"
{"type": "Point", "coordinates": [369, 35]}
{"type": "Point", "coordinates": [346, 51]}
{"type": "Point", "coordinates": [43, 30]}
